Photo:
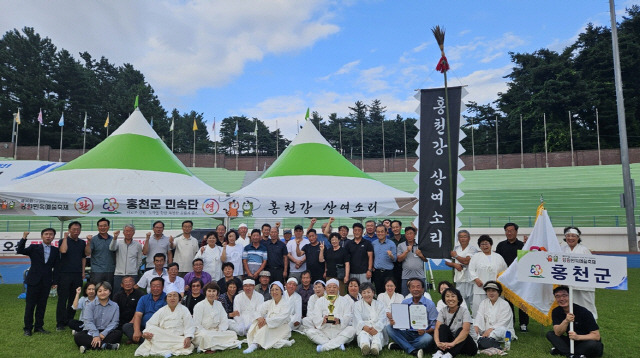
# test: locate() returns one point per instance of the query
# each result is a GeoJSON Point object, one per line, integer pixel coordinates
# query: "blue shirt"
{"type": "Point", "coordinates": [371, 238]}
{"type": "Point", "coordinates": [381, 259]}
{"type": "Point", "coordinates": [47, 252]}
{"type": "Point", "coordinates": [254, 256]}
{"type": "Point", "coordinates": [102, 259]}
{"type": "Point", "coordinates": [147, 306]}
{"type": "Point", "coordinates": [432, 313]}
{"type": "Point", "coordinates": [99, 319]}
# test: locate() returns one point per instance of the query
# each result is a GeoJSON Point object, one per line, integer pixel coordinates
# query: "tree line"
{"type": "Point", "coordinates": [37, 76]}
{"type": "Point", "coordinates": [551, 84]}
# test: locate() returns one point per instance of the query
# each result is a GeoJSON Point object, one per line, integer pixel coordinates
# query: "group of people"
{"type": "Point", "coordinates": [204, 294]}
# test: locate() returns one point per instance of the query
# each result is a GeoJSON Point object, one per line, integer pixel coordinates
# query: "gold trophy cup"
{"type": "Point", "coordinates": [331, 319]}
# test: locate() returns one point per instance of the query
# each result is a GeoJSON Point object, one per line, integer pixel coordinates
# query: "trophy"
{"type": "Point", "coordinates": [332, 299]}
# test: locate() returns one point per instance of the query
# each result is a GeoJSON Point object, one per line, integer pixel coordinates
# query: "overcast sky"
{"type": "Point", "coordinates": [273, 59]}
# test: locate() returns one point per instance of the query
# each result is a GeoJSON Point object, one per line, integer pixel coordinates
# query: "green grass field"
{"type": "Point", "coordinates": [617, 311]}
{"type": "Point", "coordinates": [582, 196]}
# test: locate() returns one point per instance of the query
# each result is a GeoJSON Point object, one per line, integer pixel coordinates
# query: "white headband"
{"type": "Point", "coordinates": [572, 231]}
{"type": "Point", "coordinates": [333, 281]}
{"type": "Point", "coordinates": [248, 282]}
{"type": "Point", "coordinates": [292, 279]}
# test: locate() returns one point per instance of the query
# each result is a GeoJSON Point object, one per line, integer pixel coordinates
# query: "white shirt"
{"type": "Point", "coordinates": [580, 250]}
{"type": "Point", "coordinates": [146, 278]}
{"type": "Point", "coordinates": [234, 255]}
{"type": "Point", "coordinates": [387, 301]}
{"type": "Point", "coordinates": [248, 308]}
{"type": "Point", "coordinates": [291, 248]}
{"type": "Point", "coordinates": [372, 315]}
{"type": "Point", "coordinates": [494, 315]}
{"type": "Point", "coordinates": [463, 276]}
{"type": "Point", "coordinates": [242, 242]}
{"type": "Point", "coordinates": [486, 268]}
{"type": "Point", "coordinates": [212, 262]}
{"type": "Point", "coordinates": [295, 303]}
{"type": "Point", "coordinates": [179, 282]}
{"type": "Point", "coordinates": [186, 249]}
{"type": "Point", "coordinates": [210, 316]}
{"type": "Point", "coordinates": [178, 322]}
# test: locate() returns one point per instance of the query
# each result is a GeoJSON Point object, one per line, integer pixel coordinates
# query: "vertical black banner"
{"type": "Point", "coordinates": [439, 143]}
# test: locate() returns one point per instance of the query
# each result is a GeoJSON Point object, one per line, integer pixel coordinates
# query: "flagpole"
{"type": "Point", "coordinates": [573, 163]}
{"type": "Point", "coordinates": [61, 131]}
{"type": "Point", "coordinates": [361, 145]}
{"type": "Point", "coordinates": [629, 191]}
{"type": "Point", "coordinates": [256, 133]}
{"type": "Point", "coordinates": [546, 152]}
{"type": "Point", "coordinates": [406, 163]}
{"type": "Point", "coordinates": [384, 156]}
{"type": "Point", "coordinates": [215, 141]}
{"type": "Point", "coordinates": [193, 163]}
{"type": "Point", "coordinates": [340, 136]}
{"type": "Point", "coordinates": [473, 148]}
{"type": "Point", "coordinates": [15, 148]}
{"type": "Point", "coordinates": [497, 146]}
{"type": "Point", "coordinates": [84, 130]}
{"type": "Point", "coordinates": [237, 145]}
{"type": "Point", "coordinates": [277, 137]}
{"type": "Point", "coordinates": [598, 135]}
{"type": "Point", "coordinates": [521, 145]}
{"type": "Point", "coordinates": [38, 152]}
{"type": "Point", "coordinates": [107, 124]}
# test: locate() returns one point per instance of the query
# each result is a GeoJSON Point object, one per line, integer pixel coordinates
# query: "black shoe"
{"type": "Point", "coordinates": [577, 356]}
{"type": "Point", "coordinates": [27, 332]}
{"type": "Point", "coordinates": [523, 328]}
{"type": "Point", "coordinates": [41, 330]}
{"type": "Point", "coordinates": [555, 351]}
{"type": "Point", "coordinates": [60, 328]}
{"type": "Point", "coordinates": [393, 346]}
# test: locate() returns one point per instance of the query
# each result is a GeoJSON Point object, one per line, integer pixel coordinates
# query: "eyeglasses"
{"type": "Point", "coordinates": [561, 295]}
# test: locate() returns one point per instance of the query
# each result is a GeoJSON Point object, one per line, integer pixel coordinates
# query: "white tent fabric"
{"type": "Point", "coordinates": [311, 178]}
{"type": "Point", "coordinates": [131, 173]}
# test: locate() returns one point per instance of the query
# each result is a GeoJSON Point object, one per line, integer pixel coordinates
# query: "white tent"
{"type": "Point", "coordinates": [131, 173]}
{"type": "Point", "coordinates": [311, 178]}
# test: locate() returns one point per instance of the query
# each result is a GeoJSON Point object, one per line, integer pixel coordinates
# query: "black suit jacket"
{"type": "Point", "coordinates": [40, 272]}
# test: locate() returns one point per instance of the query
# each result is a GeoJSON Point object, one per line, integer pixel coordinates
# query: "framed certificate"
{"type": "Point", "coordinates": [409, 316]}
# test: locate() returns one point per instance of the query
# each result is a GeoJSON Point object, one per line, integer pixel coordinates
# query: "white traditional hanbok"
{"type": "Point", "coordinates": [276, 333]}
{"type": "Point", "coordinates": [372, 315]}
{"type": "Point", "coordinates": [331, 336]}
{"type": "Point", "coordinates": [486, 268]}
{"type": "Point", "coordinates": [212, 327]}
{"type": "Point", "coordinates": [212, 261]}
{"type": "Point", "coordinates": [496, 315]}
{"type": "Point", "coordinates": [169, 329]}
{"type": "Point", "coordinates": [388, 301]}
{"type": "Point", "coordinates": [461, 278]}
{"type": "Point", "coordinates": [248, 309]}
{"type": "Point", "coordinates": [295, 304]}
{"type": "Point", "coordinates": [307, 322]}
{"type": "Point", "coordinates": [583, 296]}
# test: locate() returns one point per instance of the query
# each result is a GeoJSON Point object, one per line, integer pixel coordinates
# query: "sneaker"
{"type": "Point", "coordinates": [375, 350]}
{"type": "Point", "coordinates": [393, 346]}
{"type": "Point", "coordinates": [420, 353]}
{"type": "Point", "coordinates": [73, 332]}
{"type": "Point", "coordinates": [115, 346]}
{"type": "Point", "coordinates": [523, 328]}
{"type": "Point", "coordinates": [366, 350]}
{"type": "Point", "coordinates": [447, 355]}
{"type": "Point", "coordinates": [319, 348]}
{"type": "Point", "coordinates": [82, 349]}
{"type": "Point", "coordinates": [342, 348]}
{"type": "Point", "coordinates": [555, 351]}
{"type": "Point", "coordinates": [437, 354]}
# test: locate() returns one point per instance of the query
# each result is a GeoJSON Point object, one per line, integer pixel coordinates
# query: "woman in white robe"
{"type": "Point", "coordinates": [389, 296]}
{"type": "Point", "coordinates": [271, 329]}
{"type": "Point", "coordinates": [212, 325]}
{"type": "Point", "coordinates": [169, 331]}
{"type": "Point", "coordinates": [583, 296]}
{"type": "Point", "coordinates": [211, 256]}
{"type": "Point", "coordinates": [246, 307]}
{"type": "Point", "coordinates": [494, 316]}
{"type": "Point", "coordinates": [318, 290]}
{"type": "Point", "coordinates": [295, 304]}
{"type": "Point", "coordinates": [369, 319]}
{"type": "Point", "coordinates": [328, 335]}
{"type": "Point", "coordinates": [484, 266]}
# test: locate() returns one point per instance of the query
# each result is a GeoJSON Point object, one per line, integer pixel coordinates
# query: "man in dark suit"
{"type": "Point", "coordinates": [40, 279]}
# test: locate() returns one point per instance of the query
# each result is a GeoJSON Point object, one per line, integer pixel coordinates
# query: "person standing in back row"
{"type": "Point", "coordinates": [103, 260]}
{"type": "Point", "coordinates": [70, 273]}
{"type": "Point", "coordinates": [508, 249]}
{"type": "Point", "coordinates": [40, 279]}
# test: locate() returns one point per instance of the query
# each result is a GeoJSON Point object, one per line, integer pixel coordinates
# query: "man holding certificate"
{"type": "Point", "coordinates": [412, 322]}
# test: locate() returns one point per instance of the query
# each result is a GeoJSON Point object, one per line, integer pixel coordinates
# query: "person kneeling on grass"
{"type": "Point", "coordinates": [100, 322]}
{"type": "Point", "coordinates": [453, 326]}
{"type": "Point", "coordinates": [370, 317]}
{"type": "Point", "coordinates": [585, 334]}
{"type": "Point", "coordinates": [271, 328]}
{"type": "Point", "coordinates": [493, 319]}
{"type": "Point", "coordinates": [212, 324]}
{"type": "Point", "coordinates": [170, 330]}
